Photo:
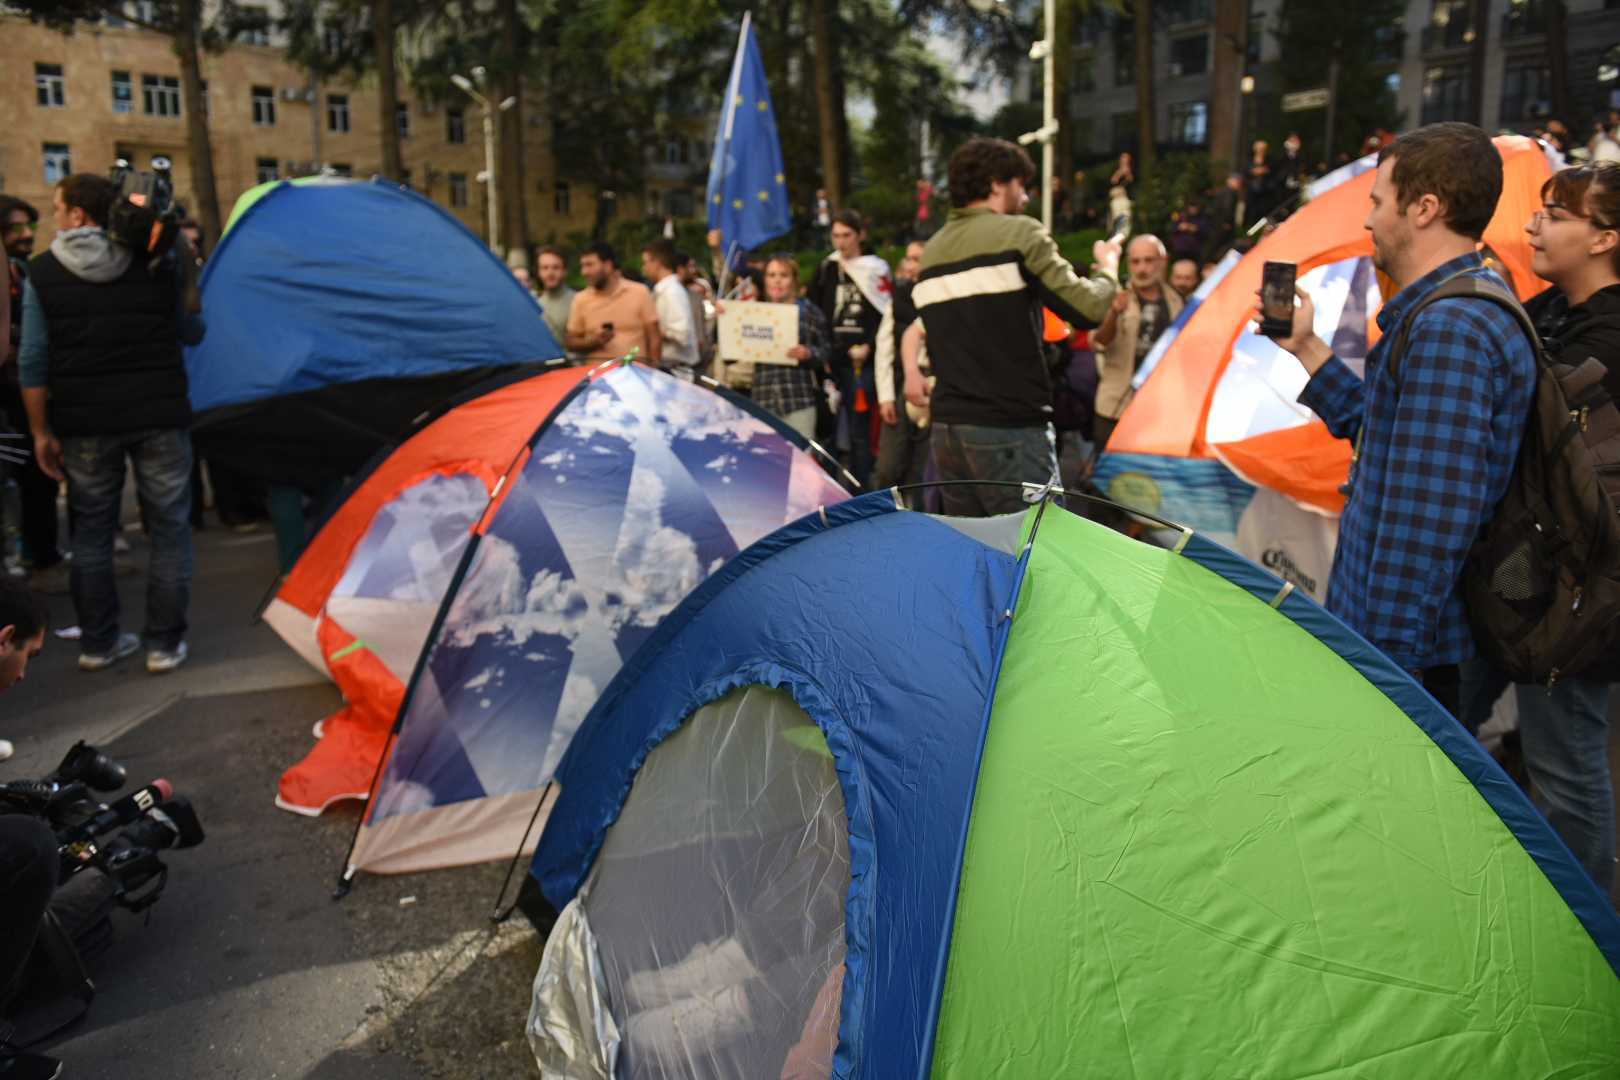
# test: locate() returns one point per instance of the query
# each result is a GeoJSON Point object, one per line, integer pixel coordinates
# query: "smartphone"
{"type": "Point", "coordinates": [1277, 299]}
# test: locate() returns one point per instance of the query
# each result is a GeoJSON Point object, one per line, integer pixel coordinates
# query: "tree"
{"type": "Point", "coordinates": [189, 32]}
{"type": "Point", "coordinates": [1314, 37]}
{"type": "Point", "coordinates": [1226, 72]}
{"type": "Point", "coordinates": [829, 103]}
{"type": "Point", "coordinates": [1146, 108]}
{"type": "Point", "coordinates": [332, 37]}
{"type": "Point", "coordinates": [383, 28]}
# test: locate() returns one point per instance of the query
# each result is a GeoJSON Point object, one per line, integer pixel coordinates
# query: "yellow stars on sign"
{"type": "Point", "coordinates": [717, 199]}
{"type": "Point", "coordinates": [780, 179]}
{"type": "Point", "coordinates": [763, 105]}
{"type": "Point", "coordinates": [736, 204]}
{"type": "Point", "coordinates": [738, 100]}
{"type": "Point", "coordinates": [764, 196]}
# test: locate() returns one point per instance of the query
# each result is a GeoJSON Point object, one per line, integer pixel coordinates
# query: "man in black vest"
{"type": "Point", "coordinates": [103, 379]}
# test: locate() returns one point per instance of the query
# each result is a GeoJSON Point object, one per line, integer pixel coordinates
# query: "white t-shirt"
{"type": "Point", "coordinates": [675, 323]}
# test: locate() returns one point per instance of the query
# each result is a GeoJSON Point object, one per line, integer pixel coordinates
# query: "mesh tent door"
{"type": "Point", "coordinates": [717, 902]}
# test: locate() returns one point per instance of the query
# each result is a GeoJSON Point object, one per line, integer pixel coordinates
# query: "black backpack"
{"type": "Point", "coordinates": [1542, 580]}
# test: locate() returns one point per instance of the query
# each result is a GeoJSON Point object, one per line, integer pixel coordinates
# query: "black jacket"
{"type": "Point", "coordinates": [1571, 334]}
{"type": "Point", "coordinates": [115, 358]}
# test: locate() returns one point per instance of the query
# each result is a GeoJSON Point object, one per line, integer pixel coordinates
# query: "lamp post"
{"type": "Point", "coordinates": [1045, 51]}
{"type": "Point", "coordinates": [491, 191]}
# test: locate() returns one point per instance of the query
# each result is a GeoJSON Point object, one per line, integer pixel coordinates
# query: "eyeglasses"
{"type": "Point", "coordinates": [1545, 214]}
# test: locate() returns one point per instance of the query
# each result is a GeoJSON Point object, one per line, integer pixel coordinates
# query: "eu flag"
{"type": "Point", "coordinates": [747, 191]}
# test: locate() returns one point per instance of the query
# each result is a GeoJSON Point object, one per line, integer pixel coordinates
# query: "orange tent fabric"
{"type": "Point", "coordinates": [1169, 414]}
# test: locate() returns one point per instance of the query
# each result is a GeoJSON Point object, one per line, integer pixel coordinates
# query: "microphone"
{"type": "Point", "coordinates": [128, 809]}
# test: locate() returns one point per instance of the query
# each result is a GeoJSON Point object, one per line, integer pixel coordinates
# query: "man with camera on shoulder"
{"type": "Point", "coordinates": [103, 379]}
{"type": "Point", "coordinates": [28, 858]}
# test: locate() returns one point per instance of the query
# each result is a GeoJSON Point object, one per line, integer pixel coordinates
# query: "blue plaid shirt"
{"type": "Point", "coordinates": [1435, 460]}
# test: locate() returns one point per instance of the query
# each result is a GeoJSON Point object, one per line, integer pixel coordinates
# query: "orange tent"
{"type": "Point", "coordinates": [1217, 420]}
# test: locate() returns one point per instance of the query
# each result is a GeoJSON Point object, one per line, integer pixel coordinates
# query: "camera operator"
{"type": "Point", "coordinates": [28, 857]}
{"type": "Point", "coordinates": [102, 372]}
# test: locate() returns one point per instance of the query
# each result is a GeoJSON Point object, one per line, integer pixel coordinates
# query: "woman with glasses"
{"type": "Point", "coordinates": [1564, 731]}
{"type": "Point", "coordinates": [789, 390]}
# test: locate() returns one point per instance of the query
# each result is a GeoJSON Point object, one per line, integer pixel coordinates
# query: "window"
{"type": "Point", "coordinates": [1524, 18]}
{"type": "Point", "coordinates": [562, 201]}
{"type": "Point", "coordinates": [58, 162]}
{"type": "Point", "coordinates": [123, 91]}
{"type": "Point", "coordinates": [264, 106]}
{"type": "Point", "coordinates": [256, 31]}
{"type": "Point", "coordinates": [1526, 89]}
{"type": "Point", "coordinates": [1450, 25]}
{"type": "Point", "coordinates": [1189, 55]}
{"type": "Point", "coordinates": [332, 39]}
{"type": "Point", "coordinates": [1082, 76]}
{"type": "Point", "coordinates": [266, 170]}
{"type": "Point", "coordinates": [678, 202]}
{"type": "Point", "coordinates": [1189, 123]}
{"type": "Point", "coordinates": [1393, 82]}
{"type": "Point", "coordinates": [402, 119]}
{"type": "Point", "coordinates": [337, 112]}
{"type": "Point", "coordinates": [161, 95]}
{"type": "Point", "coordinates": [114, 20]}
{"type": "Point", "coordinates": [675, 151]}
{"type": "Point", "coordinates": [49, 86]}
{"type": "Point", "coordinates": [204, 88]}
{"type": "Point", "coordinates": [1445, 93]}
{"type": "Point", "coordinates": [1256, 42]}
{"type": "Point", "coordinates": [458, 189]}
{"type": "Point", "coordinates": [1124, 54]}
{"type": "Point", "coordinates": [455, 124]}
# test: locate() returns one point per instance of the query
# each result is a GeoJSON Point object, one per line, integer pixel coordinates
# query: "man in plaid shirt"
{"type": "Point", "coordinates": [1438, 429]}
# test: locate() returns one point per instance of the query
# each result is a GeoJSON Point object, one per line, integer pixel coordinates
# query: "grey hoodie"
{"type": "Point", "coordinates": [90, 254]}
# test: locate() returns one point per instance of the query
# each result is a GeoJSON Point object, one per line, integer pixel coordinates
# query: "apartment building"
{"type": "Point", "coordinates": [1429, 67]}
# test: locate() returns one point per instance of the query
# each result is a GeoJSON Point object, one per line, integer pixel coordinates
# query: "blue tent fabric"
{"type": "Point", "coordinates": [344, 281]}
{"type": "Point", "coordinates": [905, 795]}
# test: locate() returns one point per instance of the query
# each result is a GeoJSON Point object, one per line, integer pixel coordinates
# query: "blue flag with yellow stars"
{"type": "Point", "coordinates": [747, 191]}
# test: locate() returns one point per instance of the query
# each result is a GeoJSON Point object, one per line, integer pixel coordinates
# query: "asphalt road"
{"type": "Point", "coordinates": [246, 968]}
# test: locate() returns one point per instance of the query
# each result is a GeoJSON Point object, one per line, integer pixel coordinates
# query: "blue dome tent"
{"type": "Point", "coordinates": [338, 312]}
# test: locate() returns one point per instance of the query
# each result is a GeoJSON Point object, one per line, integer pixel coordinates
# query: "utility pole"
{"type": "Point", "coordinates": [491, 194]}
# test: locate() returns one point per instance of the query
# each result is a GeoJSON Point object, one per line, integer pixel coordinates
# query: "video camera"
{"type": "Point", "coordinates": [152, 819]}
{"type": "Point", "coordinates": [146, 219]}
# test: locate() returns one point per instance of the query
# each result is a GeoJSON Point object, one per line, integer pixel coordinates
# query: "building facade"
{"type": "Point", "coordinates": [1430, 68]}
{"type": "Point", "coordinates": [78, 102]}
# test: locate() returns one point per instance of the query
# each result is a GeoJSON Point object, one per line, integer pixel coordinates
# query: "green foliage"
{"type": "Point", "coordinates": [1164, 189]}
{"type": "Point", "coordinates": [1310, 35]}
{"type": "Point", "coordinates": [221, 23]}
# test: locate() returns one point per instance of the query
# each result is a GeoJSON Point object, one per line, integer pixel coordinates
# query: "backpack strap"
{"type": "Point", "coordinates": [1464, 285]}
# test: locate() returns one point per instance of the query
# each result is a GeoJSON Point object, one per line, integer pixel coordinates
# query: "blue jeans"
{"type": "Point", "coordinates": [95, 469]}
{"type": "Point", "coordinates": [972, 452]}
{"type": "Point", "coordinates": [1564, 733]}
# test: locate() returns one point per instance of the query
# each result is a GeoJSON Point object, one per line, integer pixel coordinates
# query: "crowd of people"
{"type": "Point", "coordinates": [943, 369]}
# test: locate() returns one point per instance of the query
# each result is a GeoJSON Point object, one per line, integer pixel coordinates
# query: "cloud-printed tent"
{"type": "Point", "coordinates": [1215, 437]}
{"type": "Point", "coordinates": [1023, 797]}
{"type": "Point", "coordinates": [628, 489]}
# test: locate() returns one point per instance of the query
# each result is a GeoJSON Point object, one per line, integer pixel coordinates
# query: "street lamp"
{"type": "Point", "coordinates": [492, 195]}
{"type": "Point", "coordinates": [1045, 51]}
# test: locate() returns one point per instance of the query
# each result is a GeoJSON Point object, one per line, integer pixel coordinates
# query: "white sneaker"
{"type": "Point", "coordinates": [6, 749]}
{"type": "Point", "coordinates": [162, 661]}
{"type": "Point", "coordinates": [127, 645]}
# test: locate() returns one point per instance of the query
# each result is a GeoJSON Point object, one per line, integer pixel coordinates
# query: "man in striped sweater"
{"type": "Point", "coordinates": [985, 278]}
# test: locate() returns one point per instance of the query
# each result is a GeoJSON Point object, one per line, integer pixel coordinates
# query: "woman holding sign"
{"type": "Point", "coordinates": [788, 387]}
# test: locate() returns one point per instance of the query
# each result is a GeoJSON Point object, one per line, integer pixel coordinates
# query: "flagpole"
{"type": "Point", "coordinates": [730, 105]}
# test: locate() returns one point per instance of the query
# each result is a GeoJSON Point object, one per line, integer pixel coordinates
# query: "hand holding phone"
{"type": "Point", "coordinates": [1277, 299]}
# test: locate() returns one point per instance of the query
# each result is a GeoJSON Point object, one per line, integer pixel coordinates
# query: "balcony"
{"type": "Point", "coordinates": [1438, 37]}
{"type": "Point", "coordinates": [1523, 19]}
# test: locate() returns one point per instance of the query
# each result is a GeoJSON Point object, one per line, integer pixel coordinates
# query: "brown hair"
{"type": "Point", "coordinates": [1592, 191]}
{"type": "Point", "coordinates": [979, 162]}
{"type": "Point", "coordinates": [91, 193]}
{"type": "Point", "coordinates": [550, 249]}
{"type": "Point", "coordinates": [788, 261]}
{"type": "Point", "coordinates": [1454, 162]}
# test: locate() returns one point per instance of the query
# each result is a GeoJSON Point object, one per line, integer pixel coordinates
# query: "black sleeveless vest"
{"type": "Point", "coordinates": [115, 359]}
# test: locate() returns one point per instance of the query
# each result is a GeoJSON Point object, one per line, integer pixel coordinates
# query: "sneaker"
{"type": "Point", "coordinates": [162, 661]}
{"type": "Point", "coordinates": [6, 750]}
{"type": "Point", "coordinates": [128, 645]}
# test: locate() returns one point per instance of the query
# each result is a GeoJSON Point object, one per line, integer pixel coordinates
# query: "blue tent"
{"type": "Point", "coordinates": [893, 795]}
{"type": "Point", "coordinates": [339, 311]}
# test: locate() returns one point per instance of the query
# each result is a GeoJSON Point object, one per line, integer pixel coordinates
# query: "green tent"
{"type": "Point", "coordinates": [1087, 807]}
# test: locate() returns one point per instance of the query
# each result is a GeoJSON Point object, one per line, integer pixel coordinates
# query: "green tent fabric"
{"type": "Point", "coordinates": [1229, 822]}
{"type": "Point", "coordinates": [1112, 811]}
